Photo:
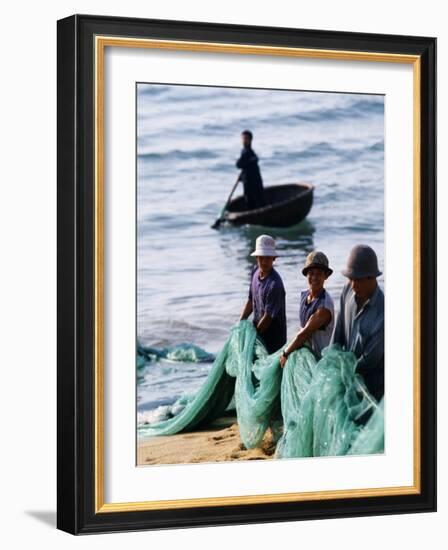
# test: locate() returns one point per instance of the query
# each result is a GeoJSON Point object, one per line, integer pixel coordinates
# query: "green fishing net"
{"type": "Point", "coordinates": [209, 403]}
{"type": "Point", "coordinates": [324, 404]}
{"type": "Point", "coordinates": [181, 352]}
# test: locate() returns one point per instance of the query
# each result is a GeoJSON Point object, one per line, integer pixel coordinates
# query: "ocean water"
{"type": "Point", "coordinates": [192, 281]}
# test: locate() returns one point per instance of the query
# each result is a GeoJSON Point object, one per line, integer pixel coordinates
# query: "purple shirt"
{"type": "Point", "coordinates": [268, 296]}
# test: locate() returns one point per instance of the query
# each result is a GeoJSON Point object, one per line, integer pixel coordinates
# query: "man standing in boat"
{"type": "Point", "coordinates": [250, 173]}
{"type": "Point", "coordinates": [266, 298]}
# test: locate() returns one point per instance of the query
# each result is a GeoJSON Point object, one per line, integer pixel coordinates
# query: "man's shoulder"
{"type": "Point", "coordinates": [275, 278]}
{"type": "Point", "coordinates": [255, 270]}
{"type": "Point", "coordinates": [347, 296]}
{"type": "Point", "coordinates": [379, 298]}
{"type": "Point", "coordinates": [276, 274]}
{"type": "Point", "coordinates": [328, 300]}
{"type": "Point", "coordinates": [347, 290]}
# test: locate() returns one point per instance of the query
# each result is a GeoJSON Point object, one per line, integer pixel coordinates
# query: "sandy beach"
{"type": "Point", "coordinates": [219, 442]}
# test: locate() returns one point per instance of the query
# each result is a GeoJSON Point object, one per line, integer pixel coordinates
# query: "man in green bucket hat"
{"type": "Point", "coordinates": [360, 324]}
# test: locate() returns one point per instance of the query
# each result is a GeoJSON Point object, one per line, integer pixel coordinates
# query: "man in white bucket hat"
{"type": "Point", "coordinates": [266, 298]}
{"type": "Point", "coordinates": [266, 301]}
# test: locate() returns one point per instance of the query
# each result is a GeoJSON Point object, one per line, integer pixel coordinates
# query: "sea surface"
{"type": "Point", "coordinates": [192, 281]}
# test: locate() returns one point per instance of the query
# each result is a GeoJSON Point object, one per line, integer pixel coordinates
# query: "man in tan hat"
{"type": "Point", "coordinates": [316, 312]}
{"type": "Point", "coordinates": [360, 323]}
{"type": "Point", "coordinates": [266, 298]}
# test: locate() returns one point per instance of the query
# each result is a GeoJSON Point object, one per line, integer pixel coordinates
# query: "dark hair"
{"type": "Point", "coordinates": [247, 133]}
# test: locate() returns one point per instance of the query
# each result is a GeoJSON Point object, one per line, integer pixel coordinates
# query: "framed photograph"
{"type": "Point", "coordinates": [246, 274]}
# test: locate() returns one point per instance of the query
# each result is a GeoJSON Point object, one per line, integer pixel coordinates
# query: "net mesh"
{"type": "Point", "coordinates": [325, 406]}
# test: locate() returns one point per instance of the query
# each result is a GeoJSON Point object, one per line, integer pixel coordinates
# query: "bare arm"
{"type": "Point", "coordinates": [247, 310]}
{"type": "Point", "coordinates": [264, 323]}
{"type": "Point", "coordinates": [319, 319]}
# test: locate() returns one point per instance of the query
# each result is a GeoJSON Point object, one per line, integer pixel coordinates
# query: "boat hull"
{"type": "Point", "coordinates": [287, 205]}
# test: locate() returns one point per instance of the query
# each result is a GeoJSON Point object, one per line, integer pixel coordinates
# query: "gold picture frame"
{"type": "Point", "coordinates": [80, 36]}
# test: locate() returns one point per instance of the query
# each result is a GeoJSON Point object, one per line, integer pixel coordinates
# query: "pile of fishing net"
{"type": "Point", "coordinates": [323, 403]}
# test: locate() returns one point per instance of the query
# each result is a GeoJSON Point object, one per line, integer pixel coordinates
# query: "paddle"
{"type": "Point", "coordinates": [221, 216]}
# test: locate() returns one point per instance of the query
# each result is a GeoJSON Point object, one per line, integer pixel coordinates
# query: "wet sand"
{"type": "Point", "coordinates": [219, 442]}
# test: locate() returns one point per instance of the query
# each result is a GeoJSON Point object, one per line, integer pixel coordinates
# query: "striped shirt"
{"type": "Point", "coordinates": [362, 332]}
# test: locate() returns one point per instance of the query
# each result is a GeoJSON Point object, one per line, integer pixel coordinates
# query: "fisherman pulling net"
{"type": "Point", "coordinates": [325, 388]}
{"type": "Point", "coordinates": [321, 401]}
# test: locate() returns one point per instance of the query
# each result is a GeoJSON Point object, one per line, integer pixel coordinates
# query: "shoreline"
{"type": "Point", "coordinates": [218, 442]}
